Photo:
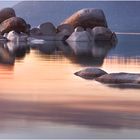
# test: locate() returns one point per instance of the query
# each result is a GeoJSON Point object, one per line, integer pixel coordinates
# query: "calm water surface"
{"type": "Point", "coordinates": [40, 97]}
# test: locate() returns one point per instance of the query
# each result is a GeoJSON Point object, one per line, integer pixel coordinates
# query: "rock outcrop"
{"type": "Point", "coordinates": [87, 18]}
{"type": "Point", "coordinates": [6, 13]}
{"type": "Point", "coordinates": [14, 23]}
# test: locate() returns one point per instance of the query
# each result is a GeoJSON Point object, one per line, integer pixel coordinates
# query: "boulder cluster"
{"type": "Point", "coordinates": [85, 25]}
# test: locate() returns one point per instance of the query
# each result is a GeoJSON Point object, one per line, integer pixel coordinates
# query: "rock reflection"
{"type": "Point", "coordinates": [92, 53]}
{"type": "Point", "coordinates": [6, 56]}
{"type": "Point", "coordinates": [9, 51]}
{"type": "Point", "coordinates": [83, 53]}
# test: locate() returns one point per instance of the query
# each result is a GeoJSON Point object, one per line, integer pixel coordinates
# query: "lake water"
{"type": "Point", "coordinates": [40, 97]}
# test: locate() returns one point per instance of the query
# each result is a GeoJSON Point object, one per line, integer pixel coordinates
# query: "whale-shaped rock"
{"type": "Point", "coordinates": [87, 18]}
{"type": "Point", "coordinates": [118, 78]}
{"type": "Point", "coordinates": [90, 73]}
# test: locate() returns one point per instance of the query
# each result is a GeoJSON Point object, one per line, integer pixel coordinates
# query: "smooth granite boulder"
{"type": "Point", "coordinates": [47, 28]}
{"type": "Point", "coordinates": [87, 18]}
{"type": "Point", "coordinates": [15, 37]}
{"type": "Point", "coordinates": [14, 23]}
{"type": "Point", "coordinates": [6, 13]}
{"type": "Point", "coordinates": [118, 78]}
{"type": "Point", "coordinates": [83, 36]}
{"type": "Point", "coordinates": [103, 34]}
{"type": "Point", "coordinates": [90, 73]}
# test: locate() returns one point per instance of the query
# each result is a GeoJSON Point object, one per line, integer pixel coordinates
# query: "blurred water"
{"type": "Point", "coordinates": [40, 97]}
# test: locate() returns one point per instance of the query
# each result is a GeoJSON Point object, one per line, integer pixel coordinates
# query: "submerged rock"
{"type": "Point", "coordinates": [117, 78]}
{"type": "Point", "coordinates": [87, 18]}
{"type": "Point", "coordinates": [6, 13]}
{"type": "Point", "coordinates": [47, 28]}
{"type": "Point", "coordinates": [14, 23]}
{"type": "Point", "coordinates": [90, 73]}
{"type": "Point", "coordinates": [103, 34]}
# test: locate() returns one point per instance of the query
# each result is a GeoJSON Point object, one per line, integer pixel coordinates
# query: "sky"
{"type": "Point", "coordinates": [7, 3]}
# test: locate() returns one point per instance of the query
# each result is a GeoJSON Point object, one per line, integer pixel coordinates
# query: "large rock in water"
{"type": "Point", "coordinates": [14, 23]}
{"type": "Point", "coordinates": [6, 13]}
{"type": "Point", "coordinates": [103, 34]}
{"type": "Point", "coordinates": [90, 73]}
{"type": "Point", "coordinates": [87, 18]}
{"type": "Point", "coordinates": [118, 78]}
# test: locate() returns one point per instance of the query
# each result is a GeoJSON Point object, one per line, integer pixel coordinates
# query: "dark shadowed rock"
{"type": "Point", "coordinates": [117, 78]}
{"type": "Point", "coordinates": [47, 28]}
{"type": "Point", "coordinates": [35, 31]}
{"type": "Point", "coordinates": [6, 13]}
{"type": "Point", "coordinates": [102, 33]}
{"type": "Point", "coordinates": [87, 18]}
{"type": "Point", "coordinates": [66, 27]}
{"type": "Point", "coordinates": [14, 23]}
{"type": "Point", "coordinates": [90, 73]}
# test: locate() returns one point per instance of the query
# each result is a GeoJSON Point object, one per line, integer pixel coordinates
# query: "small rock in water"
{"type": "Point", "coordinates": [79, 29]}
{"type": "Point", "coordinates": [15, 37]}
{"type": "Point", "coordinates": [90, 73]}
{"type": "Point", "coordinates": [47, 28]}
{"type": "Point", "coordinates": [35, 31]}
{"type": "Point", "coordinates": [117, 78]}
{"type": "Point", "coordinates": [102, 33]}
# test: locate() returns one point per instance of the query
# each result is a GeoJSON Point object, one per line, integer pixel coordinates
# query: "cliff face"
{"type": "Point", "coordinates": [121, 16]}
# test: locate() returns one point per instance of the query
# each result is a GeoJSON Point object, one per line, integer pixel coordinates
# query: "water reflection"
{"type": "Point", "coordinates": [73, 113]}
{"type": "Point", "coordinates": [83, 53]}
{"type": "Point", "coordinates": [9, 51]}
